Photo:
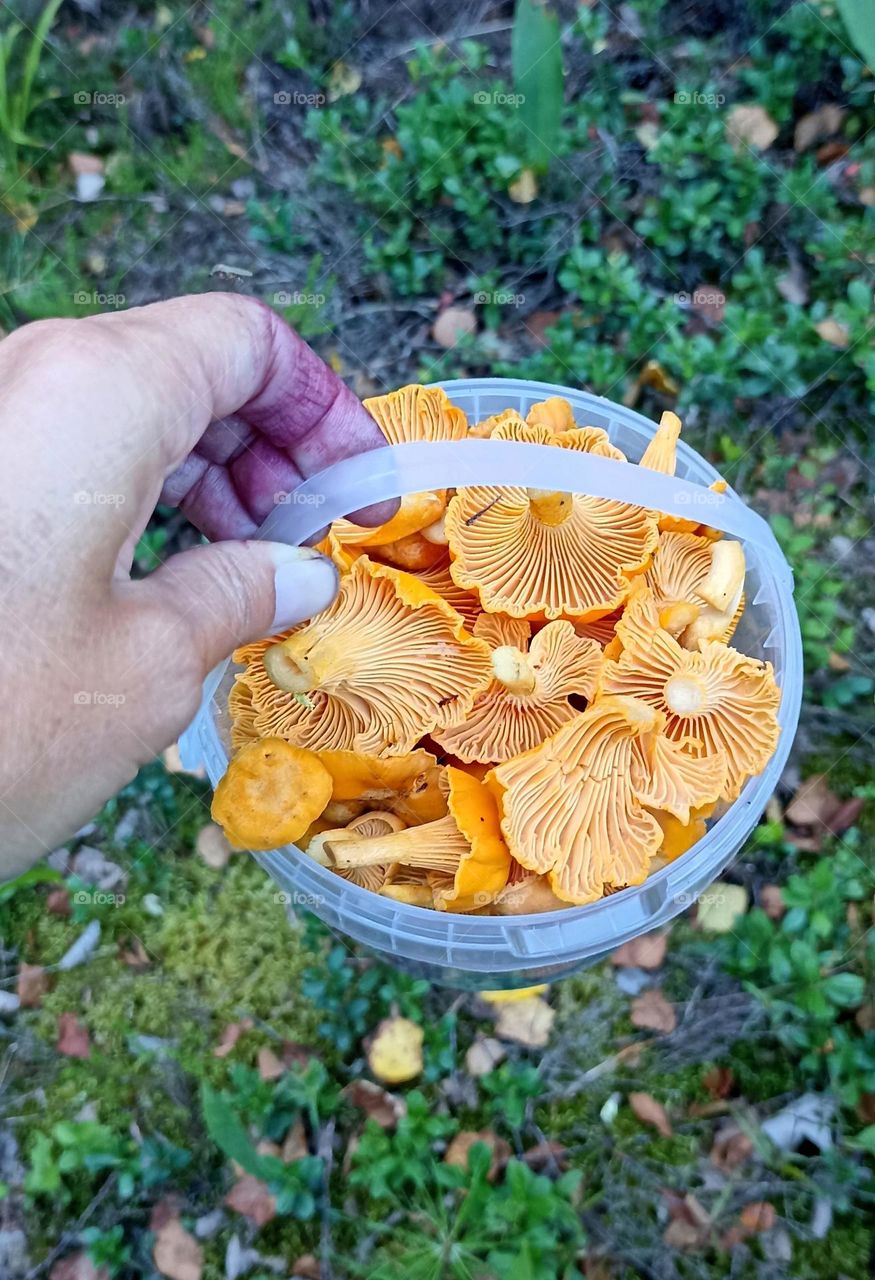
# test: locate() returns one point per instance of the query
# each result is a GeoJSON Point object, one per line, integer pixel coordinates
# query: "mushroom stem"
{"type": "Point", "coordinates": [685, 695]}
{"type": "Point", "coordinates": [513, 669]}
{"type": "Point", "coordinates": [284, 671]}
{"type": "Point", "coordinates": [675, 618]}
{"type": "Point", "coordinates": [550, 507]}
{"type": "Point", "coordinates": [438, 845]}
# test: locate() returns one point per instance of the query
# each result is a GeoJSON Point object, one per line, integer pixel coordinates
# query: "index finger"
{"type": "Point", "coordinates": [278, 413]}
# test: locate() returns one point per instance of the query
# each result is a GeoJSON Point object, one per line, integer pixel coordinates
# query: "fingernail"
{"type": "Point", "coordinates": [305, 583]}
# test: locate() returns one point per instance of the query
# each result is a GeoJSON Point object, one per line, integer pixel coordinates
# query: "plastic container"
{"type": "Point", "coordinates": [481, 952]}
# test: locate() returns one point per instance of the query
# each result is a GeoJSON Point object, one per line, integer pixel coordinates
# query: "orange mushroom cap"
{"type": "Point", "coordinates": [528, 552]}
{"type": "Point", "coordinates": [569, 807]}
{"type": "Point", "coordinates": [417, 413]}
{"type": "Point", "coordinates": [484, 430]}
{"type": "Point", "coordinates": [413, 554]}
{"type": "Point", "coordinates": [407, 785]}
{"type": "Point", "coordinates": [716, 702]}
{"type": "Point", "coordinates": [574, 808]}
{"type": "Point", "coordinates": [679, 837]}
{"type": "Point", "coordinates": [416, 511]}
{"type": "Point", "coordinates": [466, 845]}
{"type": "Point", "coordinates": [270, 794]}
{"type": "Point", "coordinates": [386, 663]}
{"type": "Point", "coordinates": [554, 413]}
{"type": "Point", "coordinates": [528, 699]}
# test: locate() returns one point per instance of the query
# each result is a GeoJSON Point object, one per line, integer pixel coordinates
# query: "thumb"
{"type": "Point", "coordinates": [229, 593]}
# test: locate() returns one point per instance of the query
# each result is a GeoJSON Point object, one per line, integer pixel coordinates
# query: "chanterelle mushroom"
{"type": "Point", "coordinates": [574, 808]}
{"type": "Point", "coordinates": [270, 794]}
{"type": "Point", "coordinates": [716, 701]}
{"type": "Point", "coordinates": [466, 845]}
{"type": "Point", "coordinates": [528, 699]}
{"type": "Point", "coordinates": [386, 663]}
{"type": "Point", "coordinates": [407, 785]}
{"type": "Point", "coordinates": [529, 552]}
{"type": "Point", "coordinates": [687, 575]}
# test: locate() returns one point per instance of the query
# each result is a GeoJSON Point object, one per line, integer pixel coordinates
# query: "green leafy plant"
{"type": "Point", "coordinates": [464, 1225]}
{"type": "Point", "coordinates": [18, 74]}
{"type": "Point", "coordinates": [813, 968]}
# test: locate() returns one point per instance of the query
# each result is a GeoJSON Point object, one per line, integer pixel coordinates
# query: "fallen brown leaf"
{"type": "Point", "coordinates": [32, 985]}
{"type": "Point", "coordinates": [772, 901]}
{"type": "Point", "coordinates": [709, 302]}
{"type": "Point", "coordinates": [731, 1148]}
{"type": "Point", "coordinates": [58, 901]}
{"type": "Point", "coordinates": [538, 323]}
{"type": "Point", "coordinates": [253, 1199]}
{"type": "Point", "coordinates": [846, 815]}
{"type": "Point", "coordinates": [484, 1055]}
{"type": "Point", "coordinates": [651, 1112]}
{"type": "Point", "coordinates": [385, 1108]}
{"type": "Point", "coordinates": [690, 1225]}
{"type": "Point", "coordinates": [680, 1234]}
{"type": "Point", "coordinates": [73, 1038]}
{"type": "Point", "coordinates": [77, 1266]}
{"type": "Point", "coordinates": [176, 1253]}
{"type": "Point", "coordinates": [230, 1036]}
{"type": "Point", "coordinates": [646, 952]}
{"type": "Point", "coordinates": [452, 324]}
{"type": "Point", "coordinates": [458, 1151]}
{"type": "Point", "coordinates": [135, 955]}
{"type": "Point", "coordinates": [269, 1065]}
{"type": "Point", "coordinates": [834, 332]}
{"type": "Point", "coordinates": [759, 1216]}
{"type": "Point", "coordinates": [82, 162]}
{"type": "Point", "coordinates": [813, 804]}
{"type": "Point", "coordinates": [295, 1145]}
{"type": "Point", "coordinates": [546, 1157]}
{"type": "Point", "coordinates": [751, 125]}
{"type": "Point", "coordinates": [652, 1011]}
{"type": "Point", "coordinates": [866, 1108]}
{"type": "Point", "coordinates": [719, 1081]}
{"type": "Point", "coordinates": [163, 1211]}
{"type": "Point", "coordinates": [817, 125]}
{"type": "Point", "coordinates": [307, 1267]}
{"type": "Point", "coordinates": [212, 846]}
{"type": "Point", "coordinates": [525, 1022]}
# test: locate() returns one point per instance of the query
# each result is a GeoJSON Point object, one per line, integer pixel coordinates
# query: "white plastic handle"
{"type": "Point", "coordinates": [393, 471]}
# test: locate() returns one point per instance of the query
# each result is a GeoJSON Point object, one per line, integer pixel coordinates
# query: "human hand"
{"type": "Point", "coordinates": [214, 404]}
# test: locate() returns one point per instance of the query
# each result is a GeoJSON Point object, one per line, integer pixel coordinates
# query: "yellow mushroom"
{"type": "Point", "coordinates": [575, 807]}
{"type": "Point", "coordinates": [466, 845]}
{"type": "Point", "coordinates": [554, 555]}
{"type": "Point", "coordinates": [534, 678]}
{"type": "Point", "coordinates": [386, 663]}
{"type": "Point", "coordinates": [270, 794]}
{"type": "Point", "coordinates": [716, 701]}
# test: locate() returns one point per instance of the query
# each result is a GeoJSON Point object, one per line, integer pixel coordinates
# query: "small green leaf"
{"type": "Point", "coordinates": [857, 17]}
{"type": "Point", "coordinates": [36, 875]}
{"type": "Point", "coordinates": [845, 989]}
{"type": "Point", "coordinates": [227, 1131]}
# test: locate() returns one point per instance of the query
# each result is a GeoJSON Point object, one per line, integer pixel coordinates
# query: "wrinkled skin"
{"type": "Point", "coordinates": [214, 404]}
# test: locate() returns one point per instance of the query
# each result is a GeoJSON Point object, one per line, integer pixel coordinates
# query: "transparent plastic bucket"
{"type": "Point", "coordinates": [481, 952]}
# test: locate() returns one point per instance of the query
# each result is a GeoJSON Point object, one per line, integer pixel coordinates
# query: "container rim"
{"type": "Point", "coordinates": [678, 880]}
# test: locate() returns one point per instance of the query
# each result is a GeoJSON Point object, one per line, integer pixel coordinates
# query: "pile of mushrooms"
{"type": "Point", "coordinates": [519, 700]}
